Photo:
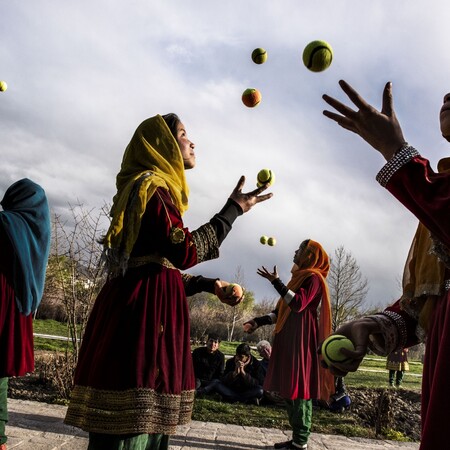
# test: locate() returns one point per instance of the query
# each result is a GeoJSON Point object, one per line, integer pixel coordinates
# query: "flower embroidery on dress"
{"type": "Point", "coordinates": [177, 235]}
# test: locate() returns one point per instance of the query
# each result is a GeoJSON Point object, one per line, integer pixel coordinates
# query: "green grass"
{"type": "Point", "coordinates": [50, 327]}
{"type": "Point", "coordinates": [209, 409]}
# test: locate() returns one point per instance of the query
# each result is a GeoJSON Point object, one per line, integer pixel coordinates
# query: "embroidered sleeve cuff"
{"type": "Point", "coordinates": [206, 243]}
{"type": "Point", "coordinates": [403, 156]}
{"type": "Point", "coordinates": [392, 333]}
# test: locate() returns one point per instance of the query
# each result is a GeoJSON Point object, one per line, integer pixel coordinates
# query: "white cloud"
{"type": "Point", "coordinates": [82, 75]}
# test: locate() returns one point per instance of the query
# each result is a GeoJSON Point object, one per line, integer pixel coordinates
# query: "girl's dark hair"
{"type": "Point", "coordinates": [172, 121]}
{"type": "Point", "coordinates": [243, 349]}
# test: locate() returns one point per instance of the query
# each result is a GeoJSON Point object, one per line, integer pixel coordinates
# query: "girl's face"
{"type": "Point", "coordinates": [186, 147]}
{"type": "Point", "coordinates": [444, 117]}
{"type": "Point", "coordinates": [298, 253]}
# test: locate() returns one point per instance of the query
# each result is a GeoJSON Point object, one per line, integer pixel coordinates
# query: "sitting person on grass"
{"type": "Point", "coordinates": [243, 378]}
{"type": "Point", "coordinates": [209, 364]}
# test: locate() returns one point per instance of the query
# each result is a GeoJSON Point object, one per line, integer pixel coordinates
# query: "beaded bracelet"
{"type": "Point", "coordinates": [403, 156]}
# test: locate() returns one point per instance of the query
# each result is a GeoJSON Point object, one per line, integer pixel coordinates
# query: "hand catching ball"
{"type": "Point", "coordinates": [3, 86]}
{"type": "Point", "coordinates": [317, 56]}
{"type": "Point", "coordinates": [259, 56]}
{"type": "Point", "coordinates": [271, 241]}
{"type": "Point", "coordinates": [331, 349]}
{"type": "Point", "coordinates": [265, 176]}
{"type": "Point", "coordinates": [251, 97]}
{"type": "Point", "coordinates": [233, 290]}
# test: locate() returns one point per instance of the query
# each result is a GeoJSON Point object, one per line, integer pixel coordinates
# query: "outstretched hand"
{"type": "Point", "coordinates": [249, 199]}
{"type": "Point", "coordinates": [250, 326]}
{"type": "Point", "coordinates": [268, 275]}
{"type": "Point", "coordinates": [380, 129]}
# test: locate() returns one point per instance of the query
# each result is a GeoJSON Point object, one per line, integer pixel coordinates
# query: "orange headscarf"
{"type": "Point", "coordinates": [313, 261]}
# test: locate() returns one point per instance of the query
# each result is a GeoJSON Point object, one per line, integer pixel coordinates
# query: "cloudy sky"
{"type": "Point", "coordinates": [83, 74]}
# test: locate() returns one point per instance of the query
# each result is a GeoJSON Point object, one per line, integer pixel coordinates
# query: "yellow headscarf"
{"type": "Point", "coordinates": [424, 273]}
{"type": "Point", "coordinates": [314, 261]}
{"type": "Point", "coordinates": [152, 159]}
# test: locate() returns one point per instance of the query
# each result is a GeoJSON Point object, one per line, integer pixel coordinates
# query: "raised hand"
{"type": "Point", "coordinates": [268, 275]}
{"type": "Point", "coordinates": [247, 200]}
{"type": "Point", "coordinates": [380, 129]}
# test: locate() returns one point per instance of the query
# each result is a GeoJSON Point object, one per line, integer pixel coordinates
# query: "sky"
{"type": "Point", "coordinates": [83, 74]}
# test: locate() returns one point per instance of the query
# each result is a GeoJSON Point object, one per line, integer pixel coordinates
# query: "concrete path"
{"type": "Point", "coordinates": [39, 426]}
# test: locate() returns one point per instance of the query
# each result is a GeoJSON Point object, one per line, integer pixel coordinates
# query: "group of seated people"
{"type": "Point", "coordinates": [241, 378]}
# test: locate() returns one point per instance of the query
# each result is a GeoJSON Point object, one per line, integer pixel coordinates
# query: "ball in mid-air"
{"type": "Point", "coordinates": [259, 56]}
{"type": "Point", "coordinates": [265, 176]}
{"type": "Point", "coordinates": [271, 241]}
{"type": "Point", "coordinates": [317, 56]}
{"type": "Point", "coordinates": [3, 86]}
{"type": "Point", "coordinates": [331, 349]}
{"type": "Point", "coordinates": [251, 97]}
{"type": "Point", "coordinates": [263, 240]}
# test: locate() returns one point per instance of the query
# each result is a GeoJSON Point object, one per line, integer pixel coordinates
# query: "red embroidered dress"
{"type": "Point", "coordinates": [294, 363]}
{"type": "Point", "coordinates": [135, 372]}
{"type": "Point", "coordinates": [426, 194]}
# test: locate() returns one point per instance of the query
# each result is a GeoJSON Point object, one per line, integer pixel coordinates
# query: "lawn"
{"type": "Point", "coordinates": [371, 374]}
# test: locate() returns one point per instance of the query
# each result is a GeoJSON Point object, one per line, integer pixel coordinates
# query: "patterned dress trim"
{"type": "Point", "coordinates": [127, 412]}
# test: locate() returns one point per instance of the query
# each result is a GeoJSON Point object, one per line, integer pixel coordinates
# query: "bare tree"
{"type": "Point", "coordinates": [74, 278]}
{"type": "Point", "coordinates": [232, 316]}
{"type": "Point", "coordinates": [75, 274]}
{"type": "Point", "coordinates": [262, 308]}
{"type": "Point", "coordinates": [204, 310]}
{"type": "Point", "coordinates": [348, 288]}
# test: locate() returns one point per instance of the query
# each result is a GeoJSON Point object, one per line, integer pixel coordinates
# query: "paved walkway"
{"type": "Point", "coordinates": [39, 426]}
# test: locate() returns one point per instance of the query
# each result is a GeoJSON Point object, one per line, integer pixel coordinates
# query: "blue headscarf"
{"type": "Point", "coordinates": [26, 221]}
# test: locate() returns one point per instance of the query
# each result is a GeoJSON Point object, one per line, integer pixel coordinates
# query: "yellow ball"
{"type": "Point", "coordinates": [3, 86]}
{"type": "Point", "coordinates": [263, 240]}
{"type": "Point", "coordinates": [265, 176]}
{"type": "Point", "coordinates": [317, 56]}
{"type": "Point", "coordinates": [259, 56]}
{"type": "Point", "coordinates": [251, 97]}
{"type": "Point", "coordinates": [331, 349]}
{"type": "Point", "coordinates": [271, 241]}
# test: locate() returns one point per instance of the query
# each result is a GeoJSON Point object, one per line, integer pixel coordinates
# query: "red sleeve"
{"type": "Point", "coordinates": [160, 217]}
{"type": "Point", "coordinates": [425, 193]}
{"type": "Point", "coordinates": [309, 293]}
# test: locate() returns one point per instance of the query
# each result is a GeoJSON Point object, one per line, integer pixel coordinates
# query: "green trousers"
{"type": "Point", "coordinates": [99, 441]}
{"type": "Point", "coordinates": [300, 418]}
{"type": "Point", "coordinates": [3, 409]}
{"type": "Point", "coordinates": [398, 375]}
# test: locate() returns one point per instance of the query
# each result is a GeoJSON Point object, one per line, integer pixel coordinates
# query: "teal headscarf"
{"type": "Point", "coordinates": [26, 221]}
